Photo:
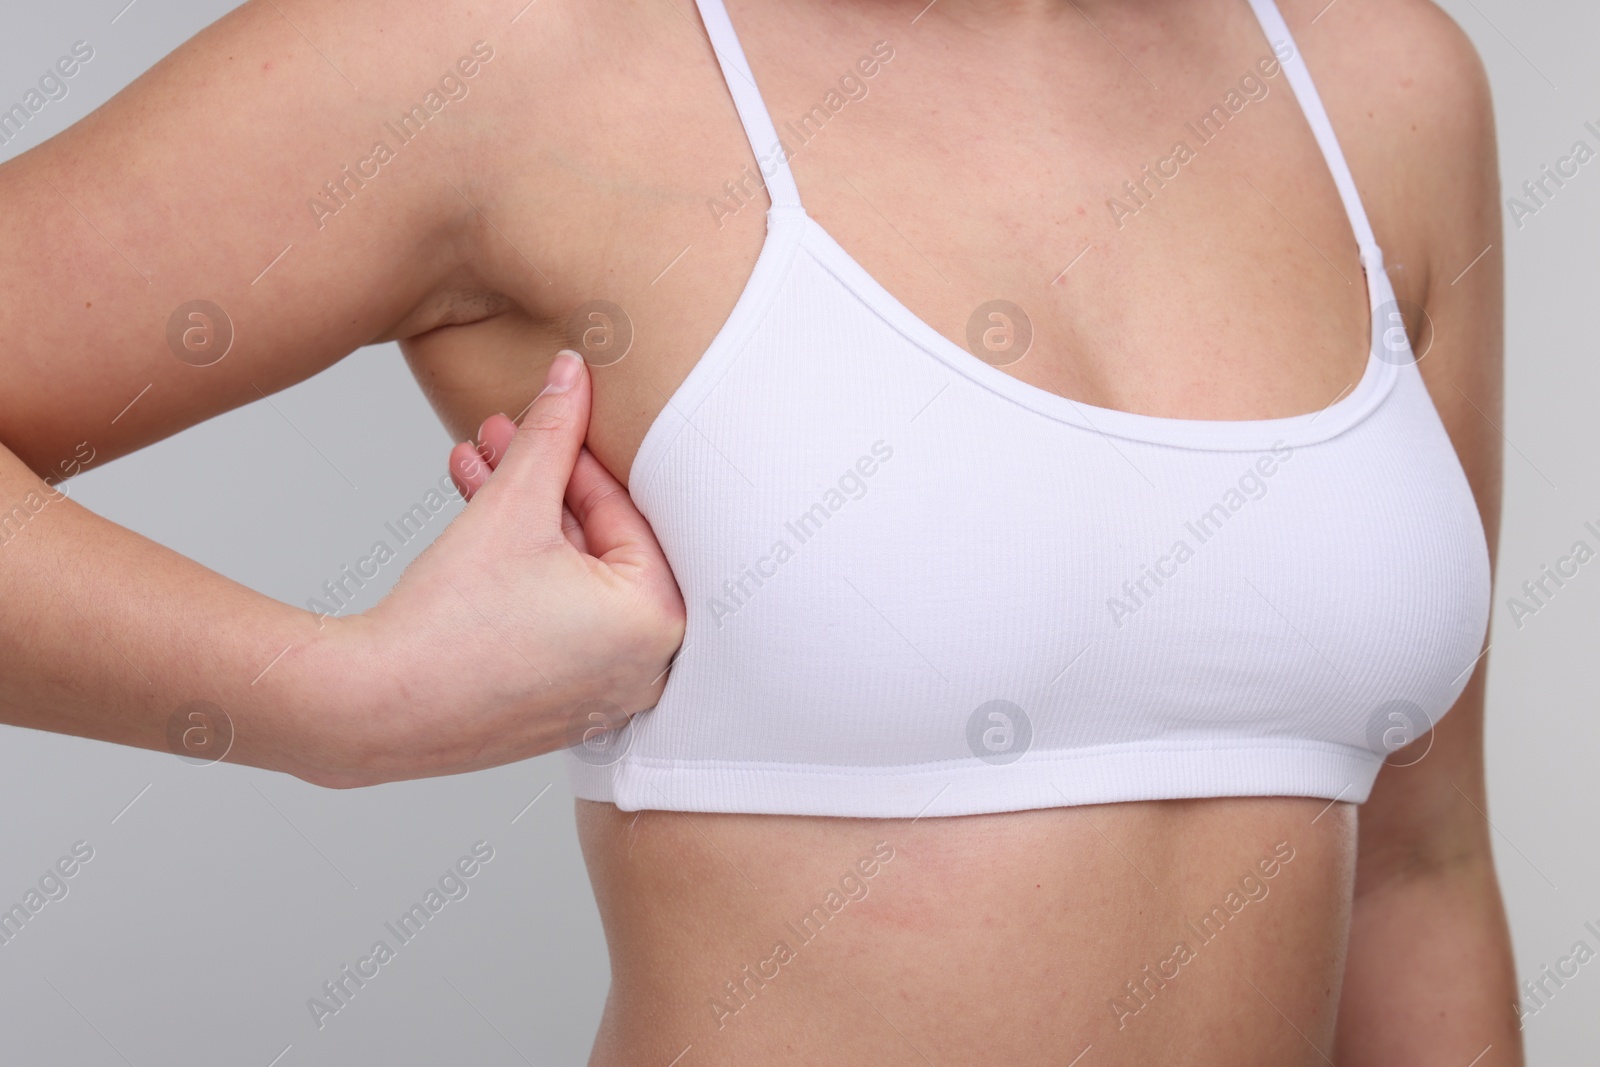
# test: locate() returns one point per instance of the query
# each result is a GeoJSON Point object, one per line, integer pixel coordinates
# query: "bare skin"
{"type": "Point", "coordinates": [1025, 955]}
{"type": "Point", "coordinates": [579, 168]}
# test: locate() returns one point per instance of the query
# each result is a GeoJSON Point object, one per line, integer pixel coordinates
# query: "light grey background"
{"type": "Point", "coordinates": [223, 897]}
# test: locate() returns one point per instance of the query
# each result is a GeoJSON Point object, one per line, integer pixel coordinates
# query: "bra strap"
{"type": "Point", "coordinates": [1277, 33]}
{"type": "Point", "coordinates": [770, 151]}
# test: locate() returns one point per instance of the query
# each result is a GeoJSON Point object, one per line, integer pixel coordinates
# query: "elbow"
{"type": "Point", "coordinates": [1464, 853]}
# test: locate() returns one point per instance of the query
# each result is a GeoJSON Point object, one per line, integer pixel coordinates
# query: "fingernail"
{"type": "Point", "coordinates": [564, 371]}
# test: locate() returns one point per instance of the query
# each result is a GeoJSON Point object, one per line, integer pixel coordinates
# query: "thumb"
{"type": "Point", "coordinates": [538, 462]}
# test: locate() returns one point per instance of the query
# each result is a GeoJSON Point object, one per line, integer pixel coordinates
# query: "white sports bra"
{"type": "Point", "coordinates": [919, 586]}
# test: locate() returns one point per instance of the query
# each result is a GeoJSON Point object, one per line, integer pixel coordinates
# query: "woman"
{"type": "Point", "coordinates": [1050, 602]}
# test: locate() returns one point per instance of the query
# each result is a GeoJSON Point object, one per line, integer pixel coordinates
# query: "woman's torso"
{"type": "Point", "coordinates": [980, 161]}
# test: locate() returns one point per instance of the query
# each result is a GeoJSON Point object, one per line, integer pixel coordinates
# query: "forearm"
{"type": "Point", "coordinates": [106, 634]}
{"type": "Point", "coordinates": [503, 640]}
{"type": "Point", "coordinates": [1429, 978]}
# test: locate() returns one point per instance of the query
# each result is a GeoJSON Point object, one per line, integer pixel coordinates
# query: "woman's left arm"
{"type": "Point", "coordinates": [1429, 979]}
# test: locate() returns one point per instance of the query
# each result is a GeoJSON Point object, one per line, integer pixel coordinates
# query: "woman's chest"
{"type": "Point", "coordinates": [1178, 252]}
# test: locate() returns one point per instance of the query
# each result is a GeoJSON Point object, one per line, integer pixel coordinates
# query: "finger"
{"type": "Point", "coordinates": [537, 464]}
{"type": "Point", "coordinates": [572, 529]}
{"type": "Point", "coordinates": [467, 469]}
{"type": "Point", "coordinates": [494, 437]}
{"type": "Point", "coordinates": [612, 526]}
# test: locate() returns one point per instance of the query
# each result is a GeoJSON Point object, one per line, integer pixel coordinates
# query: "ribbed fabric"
{"type": "Point", "coordinates": [879, 536]}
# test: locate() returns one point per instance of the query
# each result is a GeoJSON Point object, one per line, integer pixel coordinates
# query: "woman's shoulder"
{"type": "Point", "coordinates": [1409, 99]}
{"type": "Point", "coordinates": [1389, 44]}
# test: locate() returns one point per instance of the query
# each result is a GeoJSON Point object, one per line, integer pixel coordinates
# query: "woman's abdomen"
{"type": "Point", "coordinates": [1200, 932]}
